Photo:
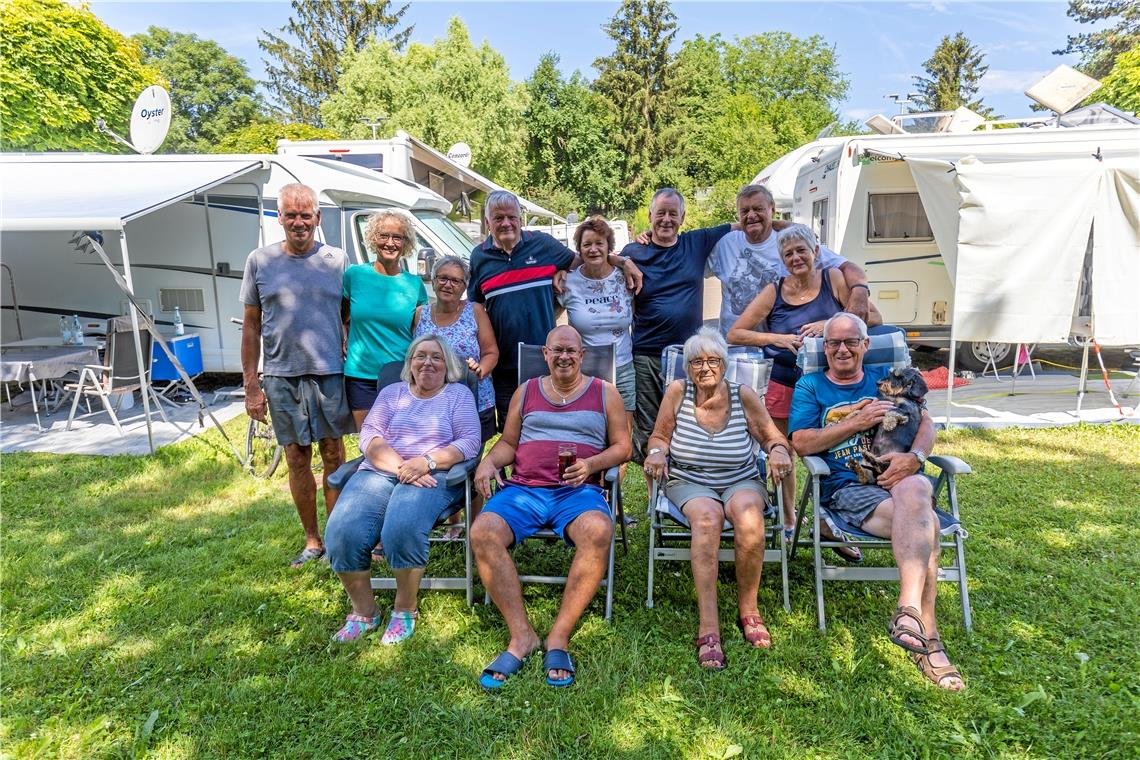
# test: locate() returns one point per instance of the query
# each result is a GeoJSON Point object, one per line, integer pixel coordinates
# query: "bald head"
{"type": "Point", "coordinates": [563, 335]}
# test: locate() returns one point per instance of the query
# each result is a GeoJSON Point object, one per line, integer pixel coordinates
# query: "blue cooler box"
{"type": "Point", "coordinates": [188, 349]}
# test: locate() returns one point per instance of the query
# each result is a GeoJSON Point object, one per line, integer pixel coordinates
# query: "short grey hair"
{"type": "Point", "coordinates": [500, 198]}
{"type": "Point", "coordinates": [407, 229]}
{"type": "Point", "coordinates": [855, 319]}
{"type": "Point", "coordinates": [455, 371]}
{"type": "Point", "coordinates": [295, 190]}
{"type": "Point", "coordinates": [706, 341]}
{"type": "Point", "coordinates": [796, 232]}
{"type": "Point", "coordinates": [667, 192]}
{"type": "Point", "coordinates": [749, 190]}
{"type": "Point", "coordinates": [452, 261]}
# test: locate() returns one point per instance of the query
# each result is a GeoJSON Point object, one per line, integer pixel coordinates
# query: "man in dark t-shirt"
{"type": "Point", "coordinates": [670, 306]}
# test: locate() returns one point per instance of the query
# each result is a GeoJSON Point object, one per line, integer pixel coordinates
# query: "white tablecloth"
{"type": "Point", "coordinates": [23, 364]}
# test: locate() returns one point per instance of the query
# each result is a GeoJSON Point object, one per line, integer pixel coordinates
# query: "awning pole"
{"type": "Point", "coordinates": [144, 367]}
{"type": "Point", "coordinates": [950, 375]}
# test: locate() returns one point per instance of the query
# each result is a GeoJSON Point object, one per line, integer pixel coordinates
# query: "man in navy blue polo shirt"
{"type": "Point", "coordinates": [512, 275]}
{"type": "Point", "coordinates": [670, 306]}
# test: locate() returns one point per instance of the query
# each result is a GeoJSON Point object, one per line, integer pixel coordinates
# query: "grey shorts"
{"type": "Point", "coordinates": [308, 408]}
{"type": "Point", "coordinates": [855, 503]}
{"type": "Point", "coordinates": [680, 492]}
{"type": "Point", "coordinates": [627, 386]}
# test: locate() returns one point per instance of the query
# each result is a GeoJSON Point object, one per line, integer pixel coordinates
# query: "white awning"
{"type": "Point", "coordinates": [75, 192]}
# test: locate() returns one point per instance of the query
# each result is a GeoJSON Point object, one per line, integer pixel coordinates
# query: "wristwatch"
{"type": "Point", "coordinates": [920, 457]}
{"type": "Point", "coordinates": [430, 461]}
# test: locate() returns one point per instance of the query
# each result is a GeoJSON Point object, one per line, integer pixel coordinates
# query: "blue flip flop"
{"type": "Point", "coordinates": [558, 659]}
{"type": "Point", "coordinates": [506, 664]}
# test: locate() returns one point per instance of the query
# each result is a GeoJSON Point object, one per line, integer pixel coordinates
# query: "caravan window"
{"type": "Point", "coordinates": [819, 219]}
{"type": "Point", "coordinates": [896, 217]}
{"type": "Point", "coordinates": [373, 161]}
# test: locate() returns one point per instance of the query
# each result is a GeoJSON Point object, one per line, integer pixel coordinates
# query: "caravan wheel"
{"type": "Point", "coordinates": [975, 356]}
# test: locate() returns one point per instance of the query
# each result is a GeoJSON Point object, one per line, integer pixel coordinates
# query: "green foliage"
{"type": "Point", "coordinates": [148, 609]}
{"type": "Point", "coordinates": [634, 80]}
{"type": "Point", "coordinates": [211, 91]}
{"type": "Point", "coordinates": [262, 137]}
{"type": "Point", "coordinates": [953, 74]}
{"type": "Point", "coordinates": [1099, 49]}
{"type": "Point", "coordinates": [1121, 86]}
{"type": "Point", "coordinates": [308, 50]}
{"type": "Point", "coordinates": [442, 93]}
{"type": "Point", "coordinates": [61, 70]}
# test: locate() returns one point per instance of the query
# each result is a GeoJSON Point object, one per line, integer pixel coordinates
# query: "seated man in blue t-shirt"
{"type": "Point", "coordinates": [833, 416]}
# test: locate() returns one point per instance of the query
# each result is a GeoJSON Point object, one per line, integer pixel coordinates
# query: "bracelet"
{"type": "Point", "coordinates": [779, 446]}
{"type": "Point", "coordinates": [860, 285]}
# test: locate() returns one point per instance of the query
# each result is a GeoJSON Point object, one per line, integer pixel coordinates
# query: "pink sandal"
{"type": "Point", "coordinates": [354, 627]}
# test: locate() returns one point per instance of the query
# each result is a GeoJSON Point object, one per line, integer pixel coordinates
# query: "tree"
{"type": "Point", "coordinates": [263, 137]}
{"type": "Point", "coordinates": [211, 92]}
{"type": "Point", "coordinates": [306, 71]}
{"type": "Point", "coordinates": [61, 69]}
{"type": "Point", "coordinates": [1121, 86]}
{"type": "Point", "coordinates": [953, 74]}
{"type": "Point", "coordinates": [443, 93]}
{"type": "Point", "coordinates": [634, 80]}
{"type": "Point", "coordinates": [568, 148]}
{"type": "Point", "coordinates": [1100, 49]}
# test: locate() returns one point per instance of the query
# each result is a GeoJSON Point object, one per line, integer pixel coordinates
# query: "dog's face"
{"type": "Point", "coordinates": [905, 382]}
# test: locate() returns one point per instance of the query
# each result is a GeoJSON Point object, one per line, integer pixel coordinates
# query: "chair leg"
{"type": "Point", "coordinates": [621, 520]}
{"type": "Point", "coordinates": [110, 410]}
{"type": "Point", "coordinates": [818, 556]}
{"type": "Point", "coordinates": [78, 395]}
{"type": "Point", "coordinates": [652, 520]}
{"type": "Point", "coordinates": [467, 559]}
{"type": "Point", "coordinates": [960, 556]}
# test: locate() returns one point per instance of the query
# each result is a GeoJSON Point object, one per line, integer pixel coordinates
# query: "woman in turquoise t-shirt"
{"type": "Point", "coordinates": [381, 302]}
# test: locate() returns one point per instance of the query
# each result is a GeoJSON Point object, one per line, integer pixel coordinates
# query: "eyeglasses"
{"type": "Point", "coordinates": [388, 237]}
{"type": "Point", "coordinates": [851, 343]}
{"type": "Point", "coordinates": [562, 350]}
{"type": "Point", "coordinates": [442, 280]}
{"type": "Point", "coordinates": [433, 358]}
{"type": "Point", "coordinates": [713, 363]}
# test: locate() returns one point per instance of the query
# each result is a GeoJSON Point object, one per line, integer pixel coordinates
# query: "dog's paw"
{"type": "Point", "coordinates": [892, 420]}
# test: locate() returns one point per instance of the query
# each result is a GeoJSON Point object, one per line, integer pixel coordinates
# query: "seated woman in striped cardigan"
{"type": "Point", "coordinates": [703, 450]}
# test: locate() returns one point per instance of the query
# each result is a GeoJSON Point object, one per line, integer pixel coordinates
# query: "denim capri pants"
{"type": "Point", "coordinates": [377, 507]}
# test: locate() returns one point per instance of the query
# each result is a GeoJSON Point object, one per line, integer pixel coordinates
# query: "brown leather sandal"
{"type": "Point", "coordinates": [936, 674]}
{"type": "Point", "coordinates": [714, 658]}
{"type": "Point", "coordinates": [761, 639]}
{"type": "Point", "coordinates": [897, 630]}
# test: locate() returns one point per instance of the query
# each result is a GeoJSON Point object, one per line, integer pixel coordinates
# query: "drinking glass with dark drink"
{"type": "Point", "coordinates": [567, 455]}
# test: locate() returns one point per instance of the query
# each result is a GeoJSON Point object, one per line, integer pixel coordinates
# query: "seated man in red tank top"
{"type": "Point", "coordinates": [563, 430]}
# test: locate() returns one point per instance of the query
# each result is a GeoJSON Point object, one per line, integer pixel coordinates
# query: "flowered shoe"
{"type": "Point", "coordinates": [401, 626]}
{"type": "Point", "coordinates": [354, 627]}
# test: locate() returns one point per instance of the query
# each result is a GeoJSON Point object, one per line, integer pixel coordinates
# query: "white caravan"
{"type": "Point", "coordinates": [860, 195]}
{"type": "Point", "coordinates": [180, 227]}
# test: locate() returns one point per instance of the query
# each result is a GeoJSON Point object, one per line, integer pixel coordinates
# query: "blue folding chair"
{"type": "Point", "coordinates": [887, 349]}
{"type": "Point", "coordinates": [669, 531]}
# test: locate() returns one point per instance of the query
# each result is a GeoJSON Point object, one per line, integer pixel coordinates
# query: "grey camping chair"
{"type": "Point", "coordinates": [669, 532]}
{"type": "Point", "coordinates": [886, 349]}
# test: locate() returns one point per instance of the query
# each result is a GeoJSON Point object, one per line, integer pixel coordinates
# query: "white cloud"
{"type": "Point", "coordinates": [1008, 81]}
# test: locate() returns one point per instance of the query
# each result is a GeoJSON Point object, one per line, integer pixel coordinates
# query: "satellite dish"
{"type": "Point", "coordinates": [150, 119]}
{"type": "Point", "coordinates": [460, 153]}
{"type": "Point", "coordinates": [1062, 88]}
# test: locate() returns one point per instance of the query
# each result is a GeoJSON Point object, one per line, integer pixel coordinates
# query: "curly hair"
{"type": "Point", "coordinates": [408, 229]}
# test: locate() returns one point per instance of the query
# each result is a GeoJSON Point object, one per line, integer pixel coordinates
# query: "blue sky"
{"type": "Point", "coordinates": [880, 44]}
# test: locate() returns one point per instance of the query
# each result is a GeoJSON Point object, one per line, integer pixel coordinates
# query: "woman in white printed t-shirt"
{"type": "Point", "coordinates": [598, 303]}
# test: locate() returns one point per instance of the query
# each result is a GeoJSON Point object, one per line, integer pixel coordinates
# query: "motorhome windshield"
{"type": "Point", "coordinates": [446, 230]}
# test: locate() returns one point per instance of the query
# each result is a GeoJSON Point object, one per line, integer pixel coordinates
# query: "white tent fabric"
{"type": "Point", "coordinates": [1020, 250]}
{"type": "Point", "coordinates": [1116, 257]}
{"type": "Point", "coordinates": [104, 193]}
{"type": "Point", "coordinates": [938, 190]}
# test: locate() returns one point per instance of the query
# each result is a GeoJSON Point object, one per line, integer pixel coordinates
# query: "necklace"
{"type": "Point", "coordinates": [565, 398]}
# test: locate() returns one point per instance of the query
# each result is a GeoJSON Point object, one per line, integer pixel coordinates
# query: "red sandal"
{"type": "Point", "coordinates": [760, 639]}
{"type": "Point", "coordinates": [713, 659]}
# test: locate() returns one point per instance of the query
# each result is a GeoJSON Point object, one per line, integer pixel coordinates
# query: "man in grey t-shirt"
{"type": "Point", "coordinates": [292, 297]}
{"type": "Point", "coordinates": [746, 260]}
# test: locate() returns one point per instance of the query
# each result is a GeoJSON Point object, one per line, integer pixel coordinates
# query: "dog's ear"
{"type": "Point", "coordinates": [918, 388]}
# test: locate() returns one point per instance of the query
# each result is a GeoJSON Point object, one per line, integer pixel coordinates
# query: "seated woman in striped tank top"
{"type": "Point", "coordinates": [703, 448]}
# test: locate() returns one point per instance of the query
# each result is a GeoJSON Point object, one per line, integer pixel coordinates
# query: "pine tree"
{"type": "Point", "coordinates": [307, 68]}
{"type": "Point", "coordinates": [1099, 49]}
{"type": "Point", "coordinates": [634, 80]}
{"type": "Point", "coordinates": [953, 74]}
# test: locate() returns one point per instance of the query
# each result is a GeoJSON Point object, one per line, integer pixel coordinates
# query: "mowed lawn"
{"type": "Point", "coordinates": [148, 611]}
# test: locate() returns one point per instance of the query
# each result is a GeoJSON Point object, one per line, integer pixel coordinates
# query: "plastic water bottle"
{"type": "Point", "coordinates": [77, 326]}
{"type": "Point", "coordinates": [64, 331]}
{"type": "Point", "coordinates": [179, 328]}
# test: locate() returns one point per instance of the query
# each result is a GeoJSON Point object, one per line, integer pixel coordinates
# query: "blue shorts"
{"type": "Point", "coordinates": [529, 509]}
{"type": "Point", "coordinates": [361, 392]}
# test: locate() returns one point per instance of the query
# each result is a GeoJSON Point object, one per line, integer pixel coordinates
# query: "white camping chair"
{"type": "Point", "coordinates": [886, 349]}
{"type": "Point", "coordinates": [669, 531]}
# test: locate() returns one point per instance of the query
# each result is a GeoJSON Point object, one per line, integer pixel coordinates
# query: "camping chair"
{"type": "Point", "coordinates": [119, 374]}
{"type": "Point", "coordinates": [598, 362]}
{"type": "Point", "coordinates": [463, 472]}
{"type": "Point", "coordinates": [669, 530]}
{"type": "Point", "coordinates": [887, 349]}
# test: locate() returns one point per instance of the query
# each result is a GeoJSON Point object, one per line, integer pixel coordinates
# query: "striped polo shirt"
{"type": "Point", "coordinates": [717, 460]}
{"type": "Point", "coordinates": [546, 424]}
{"type": "Point", "coordinates": [517, 291]}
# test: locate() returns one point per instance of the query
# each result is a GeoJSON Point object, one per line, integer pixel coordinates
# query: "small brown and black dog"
{"type": "Point", "coordinates": [895, 434]}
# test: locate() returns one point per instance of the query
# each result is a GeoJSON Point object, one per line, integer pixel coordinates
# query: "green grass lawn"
{"type": "Point", "coordinates": [148, 610]}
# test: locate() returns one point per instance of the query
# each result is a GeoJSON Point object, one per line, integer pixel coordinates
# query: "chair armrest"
{"type": "Point", "coordinates": [338, 479]}
{"type": "Point", "coordinates": [949, 464]}
{"type": "Point", "coordinates": [816, 466]}
{"type": "Point", "coordinates": [612, 474]}
{"type": "Point", "coordinates": [460, 472]}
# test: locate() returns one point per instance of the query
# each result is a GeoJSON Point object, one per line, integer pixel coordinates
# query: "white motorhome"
{"type": "Point", "coordinates": [860, 196]}
{"type": "Point", "coordinates": [180, 227]}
